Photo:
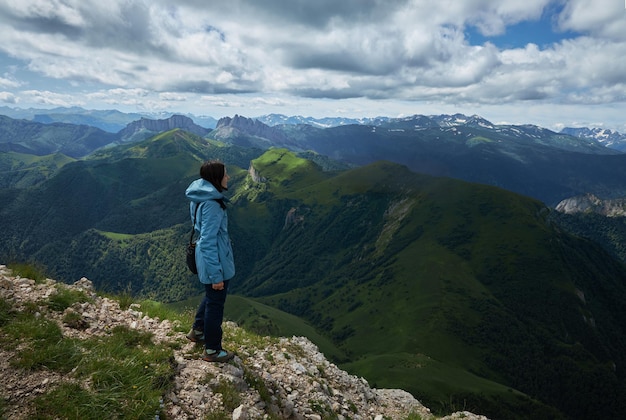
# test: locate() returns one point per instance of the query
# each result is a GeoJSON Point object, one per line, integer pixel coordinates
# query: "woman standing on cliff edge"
{"type": "Point", "coordinates": [214, 257]}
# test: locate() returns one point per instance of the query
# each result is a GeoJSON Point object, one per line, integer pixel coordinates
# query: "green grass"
{"type": "Point", "coordinates": [124, 298]}
{"type": "Point", "coordinates": [31, 271]}
{"type": "Point", "coordinates": [64, 297]}
{"type": "Point", "coordinates": [413, 416]}
{"type": "Point", "coordinates": [115, 236]}
{"type": "Point", "coordinates": [231, 398]}
{"type": "Point", "coordinates": [181, 317]}
{"type": "Point", "coordinates": [84, 403]}
{"type": "Point", "coordinates": [478, 140]}
{"type": "Point", "coordinates": [44, 345]}
{"type": "Point", "coordinates": [5, 311]}
{"type": "Point", "coordinates": [127, 373]}
{"type": "Point", "coordinates": [284, 171]}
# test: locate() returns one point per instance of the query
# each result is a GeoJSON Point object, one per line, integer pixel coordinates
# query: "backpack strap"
{"type": "Point", "coordinates": [193, 227]}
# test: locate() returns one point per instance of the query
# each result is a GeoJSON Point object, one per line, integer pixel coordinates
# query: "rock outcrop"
{"type": "Point", "coordinates": [589, 203]}
{"type": "Point", "coordinates": [300, 382]}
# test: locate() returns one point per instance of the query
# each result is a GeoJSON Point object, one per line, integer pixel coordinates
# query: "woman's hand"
{"type": "Point", "coordinates": [218, 286]}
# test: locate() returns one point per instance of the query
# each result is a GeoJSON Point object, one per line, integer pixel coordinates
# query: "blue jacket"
{"type": "Point", "coordinates": [214, 253]}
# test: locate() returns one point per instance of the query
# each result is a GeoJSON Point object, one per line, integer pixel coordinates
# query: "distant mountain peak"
{"type": "Point", "coordinates": [247, 132]}
{"type": "Point", "coordinates": [145, 127]}
{"type": "Point", "coordinates": [604, 136]}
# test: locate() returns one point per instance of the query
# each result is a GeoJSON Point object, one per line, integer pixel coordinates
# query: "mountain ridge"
{"type": "Point", "coordinates": [113, 121]}
{"type": "Point", "coordinates": [347, 267]}
{"type": "Point", "coordinates": [526, 159]}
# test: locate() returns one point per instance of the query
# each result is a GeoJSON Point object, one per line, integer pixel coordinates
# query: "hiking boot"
{"type": "Point", "coordinates": [195, 336]}
{"type": "Point", "coordinates": [217, 356]}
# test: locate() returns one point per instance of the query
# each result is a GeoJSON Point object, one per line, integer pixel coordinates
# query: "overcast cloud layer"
{"type": "Point", "coordinates": [320, 58]}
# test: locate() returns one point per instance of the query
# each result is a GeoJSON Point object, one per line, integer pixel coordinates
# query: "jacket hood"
{"type": "Point", "coordinates": [201, 190]}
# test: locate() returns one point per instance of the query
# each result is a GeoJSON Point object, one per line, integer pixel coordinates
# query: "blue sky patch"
{"type": "Point", "coordinates": [542, 32]}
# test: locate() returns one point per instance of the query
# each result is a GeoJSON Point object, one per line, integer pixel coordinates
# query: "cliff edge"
{"type": "Point", "coordinates": [272, 377]}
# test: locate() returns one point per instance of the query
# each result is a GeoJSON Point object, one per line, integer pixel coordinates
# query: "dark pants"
{"type": "Point", "coordinates": [210, 316]}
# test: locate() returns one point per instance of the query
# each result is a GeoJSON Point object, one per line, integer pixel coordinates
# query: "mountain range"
{"type": "Point", "coordinates": [462, 293]}
{"type": "Point", "coordinates": [113, 121]}
{"type": "Point", "coordinates": [526, 159]}
{"type": "Point", "coordinates": [609, 138]}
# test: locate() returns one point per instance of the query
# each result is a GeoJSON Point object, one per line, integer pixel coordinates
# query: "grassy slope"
{"type": "Point", "coordinates": [468, 276]}
{"type": "Point", "coordinates": [18, 170]}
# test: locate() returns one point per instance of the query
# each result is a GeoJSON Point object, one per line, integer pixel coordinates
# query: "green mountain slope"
{"type": "Point", "coordinates": [398, 266]}
{"type": "Point", "coordinates": [610, 232]}
{"type": "Point", "coordinates": [135, 190]}
{"type": "Point", "coordinates": [18, 170]}
{"type": "Point", "coordinates": [24, 136]}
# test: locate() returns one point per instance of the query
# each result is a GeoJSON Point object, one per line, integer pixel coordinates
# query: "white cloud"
{"type": "Point", "coordinates": [603, 18]}
{"type": "Point", "coordinates": [8, 98]}
{"type": "Point", "coordinates": [156, 54]}
{"type": "Point", "coordinates": [48, 98]}
{"type": "Point", "coordinates": [9, 82]}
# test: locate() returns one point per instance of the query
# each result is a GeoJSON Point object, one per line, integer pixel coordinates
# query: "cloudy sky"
{"type": "Point", "coordinates": [552, 63]}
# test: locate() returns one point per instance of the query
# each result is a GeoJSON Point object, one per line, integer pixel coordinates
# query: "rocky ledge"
{"type": "Point", "coordinates": [300, 382]}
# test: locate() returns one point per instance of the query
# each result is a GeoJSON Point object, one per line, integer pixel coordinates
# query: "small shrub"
{"type": "Point", "coordinates": [230, 396]}
{"type": "Point", "coordinates": [296, 350]}
{"type": "Point", "coordinates": [75, 320]}
{"type": "Point", "coordinates": [413, 416]}
{"type": "Point", "coordinates": [31, 307]}
{"type": "Point", "coordinates": [322, 409]}
{"type": "Point", "coordinates": [128, 337]}
{"type": "Point", "coordinates": [125, 299]}
{"type": "Point", "coordinates": [208, 377]}
{"type": "Point", "coordinates": [217, 415]}
{"type": "Point", "coordinates": [352, 406]}
{"type": "Point", "coordinates": [28, 271]}
{"type": "Point", "coordinates": [3, 407]}
{"type": "Point", "coordinates": [257, 383]}
{"type": "Point", "coordinates": [180, 321]}
{"type": "Point", "coordinates": [66, 297]}
{"type": "Point", "coordinates": [5, 312]}
{"type": "Point", "coordinates": [322, 371]}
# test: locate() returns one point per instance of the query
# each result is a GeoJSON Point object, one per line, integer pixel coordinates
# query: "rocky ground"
{"type": "Point", "coordinates": [300, 382]}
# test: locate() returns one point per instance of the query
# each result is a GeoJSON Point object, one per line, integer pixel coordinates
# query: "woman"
{"type": "Point", "coordinates": [214, 257]}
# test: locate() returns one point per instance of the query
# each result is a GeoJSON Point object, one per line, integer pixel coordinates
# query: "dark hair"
{"type": "Point", "coordinates": [213, 171]}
